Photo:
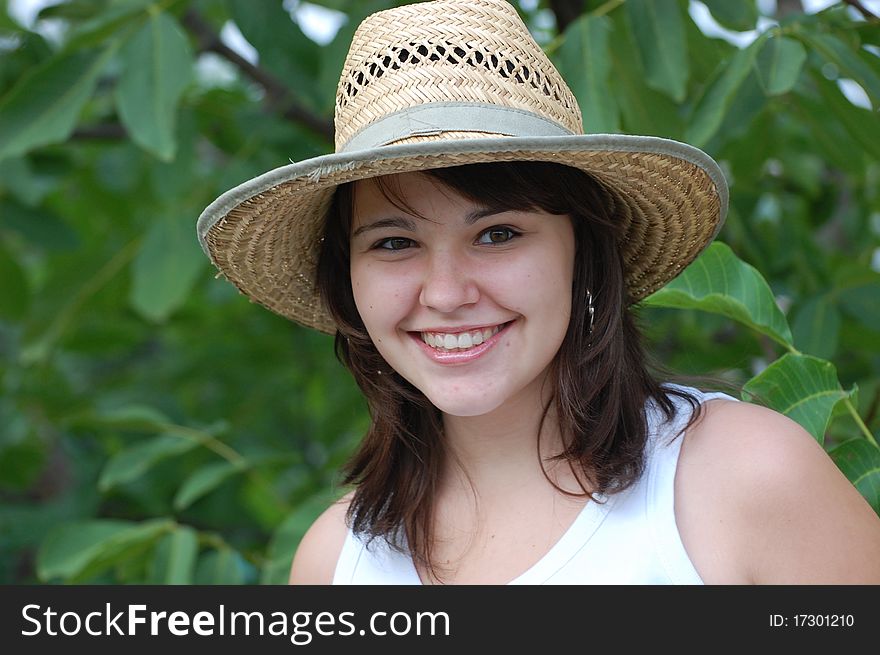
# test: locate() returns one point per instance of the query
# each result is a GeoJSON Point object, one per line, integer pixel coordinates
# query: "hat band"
{"type": "Point", "coordinates": [439, 117]}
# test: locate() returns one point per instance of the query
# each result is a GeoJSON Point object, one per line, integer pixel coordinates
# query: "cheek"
{"type": "Point", "coordinates": [378, 296]}
{"type": "Point", "coordinates": [537, 284]}
{"type": "Point", "coordinates": [550, 291]}
{"type": "Point", "coordinates": [364, 290]}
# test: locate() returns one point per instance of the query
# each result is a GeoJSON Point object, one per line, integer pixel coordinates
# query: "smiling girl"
{"type": "Point", "coordinates": [476, 255]}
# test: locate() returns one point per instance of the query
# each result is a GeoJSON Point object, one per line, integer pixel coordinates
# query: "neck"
{"type": "Point", "coordinates": [498, 452]}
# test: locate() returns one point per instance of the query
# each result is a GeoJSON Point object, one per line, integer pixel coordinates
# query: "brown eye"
{"type": "Point", "coordinates": [497, 235]}
{"type": "Point", "coordinates": [394, 243]}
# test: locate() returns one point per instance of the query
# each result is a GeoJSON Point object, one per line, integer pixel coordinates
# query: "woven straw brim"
{"type": "Point", "coordinates": [670, 199]}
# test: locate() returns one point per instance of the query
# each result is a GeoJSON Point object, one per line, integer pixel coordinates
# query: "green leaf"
{"type": "Point", "coordinates": [205, 480]}
{"type": "Point", "coordinates": [802, 387]}
{"type": "Point", "coordinates": [284, 50]}
{"type": "Point", "coordinates": [166, 268]}
{"type": "Point", "coordinates": [157, 66]}
{"type": "Point", "coordinates": [38, 227]}
{"type": "Point", "coordinates": [658, 29]}
{"type": "Point", "coordinates": [643, 110]}
{"type": "Point", "coordinates": [848, 61]}
{"type": "Point", "coordinates": [175, 179]}
{"type": "Point", "coordinates": [265, 506]}
{"type": "Point", "coordinates": [175, 558]}
{"type": "Point", "coordinates": [721, 283]}
{"type": "Point", "coordinates": [779, 65]}
{"type": "Point", "coordinates": [816, 327]}
{"type": "Point", "coordinates": [73, 10]}
{"type": "Point", "coordinates": [862, 124]}
{"type": "Point", "coordinates": [69, 548]}
{"type": "Point", "coordinates": [23, 453]}
{"type": "Point", "coordinates": [745, 107]}
{"type": "Point", "coordinates": [861, 302]}
{"type": "Point", "coordinates": [859, 460]}
{"type": "Point", "coordinates": [132, 462]}
{"type": "Point", "coordinates": [107, 22]}
{"type": "Point", "coordinates": [25, 524]}
{"type": "Point", "coordinates": [869, 32]}
{"type": "Point", "coordinates": [15, 296]}
{"type": "Point", "coordinates": [830, 140]}
{"type": "Point", "coordinates": [127, 417]}
{"type": "Point", "coordinates": [18, 178]}
{"type": "Point", "coordinates": [739, 15]}
{"type": "Point", "coordinates": [584, 60]}
{"type": "Point", "coordinates": [222, 566]}
{"type": "Point", "coordinates": [7, 24]}
{"type": "Point", "coordinates": [707, 53]}
{"type": "Point", "coordinates": [74, 551]}
{"type": "Point", "coordinates": [43, 107]}
{"type": "Point", "coordinates": [711, 108]}
{"type": "Point", "coordinates": [290, 532]}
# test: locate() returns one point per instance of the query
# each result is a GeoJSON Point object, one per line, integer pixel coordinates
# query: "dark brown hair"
{"type": "Point", "coordinates": [601, 379]}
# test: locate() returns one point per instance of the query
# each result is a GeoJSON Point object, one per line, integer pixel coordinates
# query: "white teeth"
{"type": "Point", "coordinates": [459, 341]}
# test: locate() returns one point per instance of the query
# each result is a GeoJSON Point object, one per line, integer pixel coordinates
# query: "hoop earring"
{"type": "Point", "coordinates": [591, 311]}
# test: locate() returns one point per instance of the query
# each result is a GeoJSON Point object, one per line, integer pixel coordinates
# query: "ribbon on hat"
{"type": "Point", "coordinates": [439, 117]}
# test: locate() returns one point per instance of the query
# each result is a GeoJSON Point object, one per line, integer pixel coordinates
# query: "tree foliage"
{"type": "Point", "coordinates": [157, 427]}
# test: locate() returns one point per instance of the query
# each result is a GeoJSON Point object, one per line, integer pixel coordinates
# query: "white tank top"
{"type": "Point", "coordinates": [631, 538]}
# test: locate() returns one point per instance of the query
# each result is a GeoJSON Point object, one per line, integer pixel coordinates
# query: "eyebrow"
{"type": "Point", "coordinates": [402, 223]}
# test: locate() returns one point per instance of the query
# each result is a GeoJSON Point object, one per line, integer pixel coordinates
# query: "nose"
{"type": "Point", "coordinates": [448, 283]}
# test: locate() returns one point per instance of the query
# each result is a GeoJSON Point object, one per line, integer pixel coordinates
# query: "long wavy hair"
{"type": "Point", "coordinates": [601, 379]}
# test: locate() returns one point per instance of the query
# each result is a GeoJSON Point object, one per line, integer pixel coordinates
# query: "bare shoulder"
{"type": "Point", "coordinates": [318, 551]}
{"type": "Point", "coordinates": [759, 500]}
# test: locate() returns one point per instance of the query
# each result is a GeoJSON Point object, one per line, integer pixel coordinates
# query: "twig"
{"type": "Point", "coordinates": [207, 440]}
{"type": "Point", "coordinates": [862, 9]}
{"type": "Point", "coordinates": [566, 12]}
{"type": "Point", "coordinates": [608, 6]}
{"type": "Point", "coordinates": [107, 131]}
{"type": "Point", "coordinates": [858, 419]}
{"type": "Point", "coordinates": [38, 351]}
{"type": "Point", "coordinates": [277, 93]}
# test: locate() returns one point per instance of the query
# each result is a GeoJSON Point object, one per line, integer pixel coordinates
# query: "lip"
{"type": "Point", "coordinates": [460, 356]}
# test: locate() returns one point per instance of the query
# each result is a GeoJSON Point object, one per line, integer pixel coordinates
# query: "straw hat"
{"type": "Point", "coordinates": [447, 83]}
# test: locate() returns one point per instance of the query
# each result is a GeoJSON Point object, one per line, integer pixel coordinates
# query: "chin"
{"type": "Point", "coordinates": [458, 404]}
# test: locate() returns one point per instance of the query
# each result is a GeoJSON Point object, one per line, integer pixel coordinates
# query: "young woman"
{"type": "Point", "coordinates": [475, 255]}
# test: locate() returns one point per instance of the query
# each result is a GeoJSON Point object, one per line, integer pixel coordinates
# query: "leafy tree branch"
{"type": "Point", "coordinates": [277, 94]}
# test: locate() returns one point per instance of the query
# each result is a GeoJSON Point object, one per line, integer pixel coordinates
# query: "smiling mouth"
{"type": "Point", "coordinates": [446, 342]}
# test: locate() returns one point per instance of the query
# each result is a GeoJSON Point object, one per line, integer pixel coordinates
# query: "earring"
{"type": "Point", "coordinates": [590, 309]}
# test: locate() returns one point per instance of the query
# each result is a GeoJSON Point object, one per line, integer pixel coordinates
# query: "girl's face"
{"type": "Point", "coordinates": [469, 303]}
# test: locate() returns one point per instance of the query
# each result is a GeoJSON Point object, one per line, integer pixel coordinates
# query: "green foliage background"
{"type": "Point", "coordinates": [157, 427]}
